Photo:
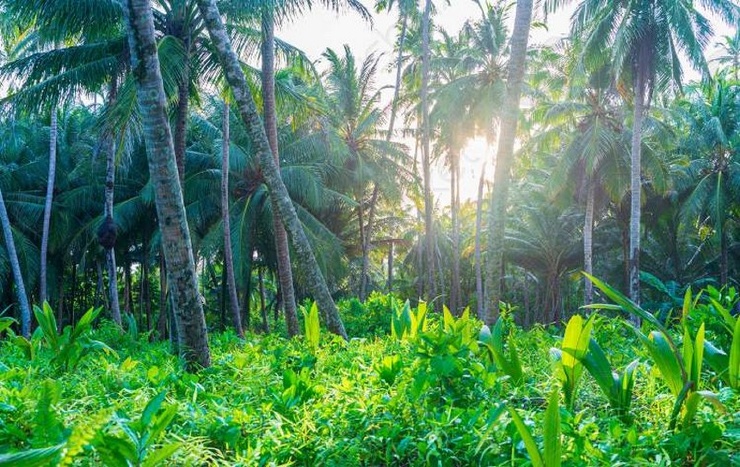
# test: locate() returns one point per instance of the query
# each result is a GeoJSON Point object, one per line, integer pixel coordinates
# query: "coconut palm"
{"type": "Point", "coordinates": [714, 171]}
{"type": "Point", "coordinates": [641, 41]}
{"type": "Point", "coordinates": [182, 277]}
{"type": "Point", "coordinates": [504, 157]}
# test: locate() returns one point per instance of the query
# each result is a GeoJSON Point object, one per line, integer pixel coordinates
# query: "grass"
{"type": "Point", "coordinates": [434, 399]}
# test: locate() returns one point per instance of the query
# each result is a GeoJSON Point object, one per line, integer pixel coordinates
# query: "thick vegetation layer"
{"type": "Point", "coordinates": [417, 390]}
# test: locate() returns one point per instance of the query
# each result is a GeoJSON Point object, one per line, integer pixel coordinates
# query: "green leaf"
{"type": "Point", "coordinates": [625, 303]}
{"type": "Point", "coordinates": [662, 354]}
{"type": "Point", "coordinates": [734, 362]}
{"type": "Point", "coordinates": [598, 366]}
{"type": "Point", "coordinates": [718, 361]}
{"type": "Point", "coordinates": [552, 451]}
{"type": "Point", "coordinates": [529, 443]}
{"type": "Point", "coordinates": [31, 457]}
{"type": "Point", "coordinates": [161, 454]}
{"type": "Point", "coordinates": [312, 326]}
{"type": "Point", "coordinates": [151, 409]}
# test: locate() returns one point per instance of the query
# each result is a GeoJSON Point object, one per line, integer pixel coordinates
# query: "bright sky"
{"type": "Point", "coordinates": [320, 29]}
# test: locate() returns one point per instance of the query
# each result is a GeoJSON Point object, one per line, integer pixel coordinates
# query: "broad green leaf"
{"type": "Point", "coordinates": [662, 353]}
{"type": "Point", "coordinates": [734, 361]}
{"type": "Point", "coordinates": [718, 361]}
{"type": "Point", "coordinates": [161, 454]}
{"type": "Point", "coordinates": [31, 457]}
{"type": "Point", "coordinates": [598, 366]}
{"type": "Point", "coordinates": [625, 303]}
{"type": "Point", "coordinates": [151, 409]}
{"type": "Point", "coordinates": [529, 442]}
{"type": "Point", "coordinates": [552, 450]}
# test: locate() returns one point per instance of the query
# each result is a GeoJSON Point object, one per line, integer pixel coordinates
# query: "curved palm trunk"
{"type": "Point", "coordinates": [182, 279]}
{"type": "Point", "coordinates": [478, 229]}
{"type": "Point", "coordinates": [367, 244]}
{"type": "Point", "coordinates": [426, 155]}
{"type": "Point", "coordinates": [285, 273]}
{"type": "Point", "coordinates": [588, 243]}
{"type": "Point", "coordinates": [636, 189]}
{"type": "Point", "coordinates": [228, 253]}
{"type": "Point", "coordinates": [504, 159]}
{"type": "Point", "coordinates": [248, 111]}
{"type": "Point", "coordinates": [48, 203]}
{"type": "Point", "coordinates": [20, 288]}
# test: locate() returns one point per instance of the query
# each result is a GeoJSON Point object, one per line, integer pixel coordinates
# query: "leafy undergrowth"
{"type": "Point", "coordinates": [436, 391]}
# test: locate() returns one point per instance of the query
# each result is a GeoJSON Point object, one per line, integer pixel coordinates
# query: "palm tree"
{"type": "Point", "coordinates": [713, 176]}
{"type": "Point", "coordinates": [730, 57]}
{"type": "Point", "coordinates": [353, 120]}
{"type": "Point", "coordinates": [641, 41]}
{"type": "Point", "coordinates": [20, 289]}
{"type": "Point", "coordinates": [248, 111]}
{"type": "Point", "coordinates": [48, 202]}
{"type": "Point", "coordinates": [182, 277]}
{"type": "Point", "coordinates": [228, 253]}
{"type": "Point", "coordinates": [504, 158]}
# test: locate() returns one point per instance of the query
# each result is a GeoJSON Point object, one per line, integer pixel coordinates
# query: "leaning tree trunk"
{"type": "Point", "coordinates": [504, 159]}
{"type": "Point", "coordinates": [20, 288]}
{"type": "Point", "coordinates": [478, 232]}
{"type": "Point", "coordinates": [285, 273]}
{"type": "Point", "coordinates": [248, 111]}
{"type": "Point", "coordinates": [367, 244]}
{"type": "Point", "coordinates": [636, 188]}
{"type": "Point", "coordinates": [588, 242]}
{"type": "Point", "coordinates": [426, 155]}
{"type": "Point", "coordinates": [48, 203]}
{"type": "Point", "coordinates": [182, 279]}
{"type": "Point", "coordinates": [225, 218]}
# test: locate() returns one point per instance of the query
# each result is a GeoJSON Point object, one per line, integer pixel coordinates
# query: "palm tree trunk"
{"type": "Point", "coordinates": [455, 215]}
{"type": "Point", "coordinates": [426, 155]}
{"type": "Point", "coordinates": [228, 253]}
{"type": "Point", "coordinates": [285, 273]}
{"type": "Point", "coordinates": [588, 242]}
{"type": "Point", "coordinates": [504, 159]}
{"type": "Point", "coordinates": [248, 111]}
{"type": "Point", "coordinates": [390, 266]}
{"type": "Point", "coordinates": [15, 265]}
{"type": "Point", "coordinates": [110, 184]}
{"type": "Point", "coordinates": [183, 90]}
{"type": "Point", "coordinates": [478, 232]}
{"type": "Point", "coordinates": [367, 244]}
{"type": "Point", "coordinates": [636, 188]}
{"type": "Point", "coordinates": [48, 202]}
{"type": "Point", "coordinates": [182, 278]}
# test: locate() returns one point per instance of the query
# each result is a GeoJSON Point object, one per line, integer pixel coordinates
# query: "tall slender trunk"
{"type": "Point", "coordinates": [426, 154]}
{"type": "Point", "coordinates": [588, 242]}
{"type": "Point", "coordinates": [478, 232]}
{"type": "Point", "coordinates": [285, 273]}
{"type": "Point", "coordinates": [455, 218]}
{"type": "Point", "coordinates": [110, 185]}
{"type": "Point", "coordinates": [248, 111]}
{"type": "Point", "coordinates": [127, 298]}
{"type": "Point", "coordinates": [181, 30]}
{"type": "Point", "coordinates": [505, 159]}
{"type": "Point", "coordinates": [225, 218]}
{"type": "Point", "coordinates": [162, 318]}
{"type": "Point", "coordinates": [187, 307]}
{"type": "Point", "coordinates": [263, 309]}
{"type": "Point", "coordinates": [15, 265]}
{"type": "Point", "coordinates": [48, 203]}
{"type": "Point", "coordinates": [636, 188]}
{"type": "Point", "coordinates": [367, 245]}
{"type": "Point", "coordinates": [390, 266]}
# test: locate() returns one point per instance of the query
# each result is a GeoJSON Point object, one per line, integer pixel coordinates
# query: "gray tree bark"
{"type": "Point", "coordinates": [15, 265]}
{"type": "Point", "coordinates": [504, 159]}
{"type": "Point", "coordinates": [248, 111]}
{"type": "Point", "coordinates": [182, 279]}
{"type": "Point", "coordinates": [225, 217]}
{"type": "Point", "coordinates": [48, 203]}
{"type": "Point", "coordinates": [285, 272]}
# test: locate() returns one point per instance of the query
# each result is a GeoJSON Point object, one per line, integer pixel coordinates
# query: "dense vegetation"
{"type": "Point", "coordinates": [208, 220]}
